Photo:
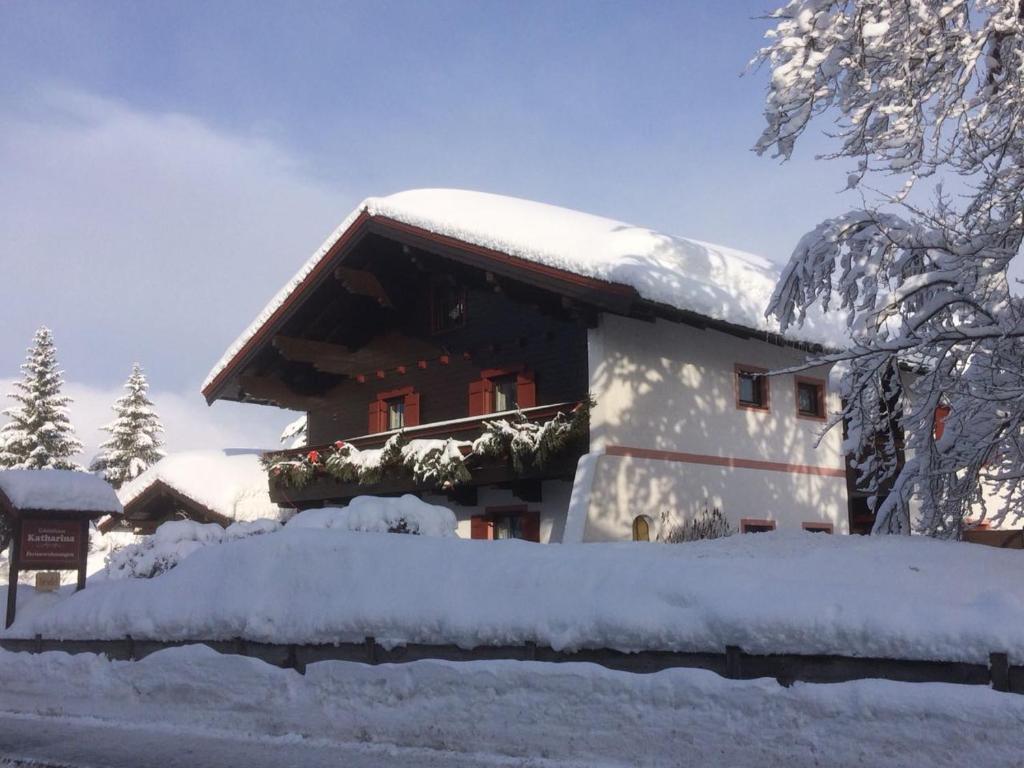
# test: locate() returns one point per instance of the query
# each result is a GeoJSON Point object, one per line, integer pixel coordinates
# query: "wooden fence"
{"type": "Point", "coordinates": [733, 663]}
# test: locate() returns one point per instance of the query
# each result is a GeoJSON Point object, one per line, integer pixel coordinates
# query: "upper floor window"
{"type": "Point", "coordinates": [395, 413]}
{"type": "Point", "coordinates": [447, 305]}
{"type": "Point", "coordinates": [395, 409]}
{"type": "Point", "coordinates": [751, 388]}
{"type": "Point", "coordinates": [810, 398]}
{"type": "Point", "coordinates": [504, 390]}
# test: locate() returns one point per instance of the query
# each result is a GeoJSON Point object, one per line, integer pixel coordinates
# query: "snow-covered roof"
{"type": "Point", "coordinates": [58, 489]}
{"type": "Point", "coordinates": [711, 280]}
{"type": "Point", "coordinates": [231, 483]}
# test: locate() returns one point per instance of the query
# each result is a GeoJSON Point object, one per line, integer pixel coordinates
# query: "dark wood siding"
{"type": "Point", "coordinates": [501, 333]}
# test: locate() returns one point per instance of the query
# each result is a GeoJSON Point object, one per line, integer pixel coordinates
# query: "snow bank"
{"type": "Point", "coordinates": [60, 489]}
{"type": "Point", "coordinates": [172, 542]}
{"type": "Point", "coordinates": [231, 483]}
{"type": "Point", "coordinates": [795, 592]}
{"type": "Point", "coordinates": [406, 514]}
{"type": "Point", "coordinates": [578, 712]}
{"type": "Point", "coordinates": [711, 280]}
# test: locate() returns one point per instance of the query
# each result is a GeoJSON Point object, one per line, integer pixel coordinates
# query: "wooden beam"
{"type": "Point", "coordinates": [273, 390]}
{"type": "Point", "coordinates": [363, 283]}
{"type": "Point", "coordinates": [385, 352]}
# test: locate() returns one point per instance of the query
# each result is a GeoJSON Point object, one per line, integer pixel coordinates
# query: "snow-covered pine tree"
{"type": "Point", "coordinates": [39, 434]}
{"type": "Point", "coordinates": [918, 88]}
{"type": "Point", "coordinates": [135, 442]}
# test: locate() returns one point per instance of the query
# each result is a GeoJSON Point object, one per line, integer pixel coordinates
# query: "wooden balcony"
{"type": "Point", "coordinates": [325, 490]}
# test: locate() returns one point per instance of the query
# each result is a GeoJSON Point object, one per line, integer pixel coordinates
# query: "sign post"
{"type": "Point", "coordinates": [50, 511]}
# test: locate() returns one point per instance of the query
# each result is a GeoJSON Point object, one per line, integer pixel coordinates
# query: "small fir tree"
{"type": "Point", "coordinates": [39, 434]}
{"type": "Point", "coordinates": [135, 443]}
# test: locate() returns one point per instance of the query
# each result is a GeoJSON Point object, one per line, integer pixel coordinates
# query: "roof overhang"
{"type": "Point", "coordinates": [608, 296]}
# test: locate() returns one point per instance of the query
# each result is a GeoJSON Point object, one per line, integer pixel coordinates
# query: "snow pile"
{"type": "Point", "coordinates": [781, 592]}
{"type": "Point", "coordinates": [60, 489]}
{"type": "Point", "coordinates": [406, 514]}
{"type": "Point", "coordinates": [231, 483]}
{"type": "Point", "coordinates": [581, 713]}
{"type": "Point", "coordinates": [711, 280]}
{"type": "Point", "coordinates": [174, 541]}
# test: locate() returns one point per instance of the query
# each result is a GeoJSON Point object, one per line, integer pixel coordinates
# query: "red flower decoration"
{"type": "Point", "coordinates": [314, 457]}
{"type": "Point", "coordinates": [339, 444]}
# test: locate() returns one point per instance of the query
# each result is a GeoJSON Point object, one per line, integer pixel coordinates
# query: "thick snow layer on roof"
{"type": "Point", "coordinates": [60, 489]}
{"type": "Point", "coordinates": [781, 592]}
{"type": "Point", "coordinates": [231, 483]}
{"type": "Point", "coordinates": [711, 280]}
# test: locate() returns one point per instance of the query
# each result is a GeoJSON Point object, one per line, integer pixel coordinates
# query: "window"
{"type": "Point", "coordinates": [641, 528]}
{"type": "Point", "coordinates": [502, 389]}
{"type": "Point", "coordinates": [512, 522]}
{"type": "Point", "coordinates": [505, 396]}
{"type": "Point", "coordinates": [395, 413]}
{"type": "Point", "coordinates": [447, 305]}
{"type": "Point", "coordinates": [810, 398]}
{"type": "Point", "coordinates": [751, 388]}
{"type": "Point", "coordinates": [396, 409]}
{"type": "Point", "coordinates": [751, 525]}
{"type": "Point", "coordinates": [818, 527]}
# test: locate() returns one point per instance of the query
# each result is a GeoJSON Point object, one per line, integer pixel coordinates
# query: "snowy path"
{"type": "Point", "coordinates": [90, 743]}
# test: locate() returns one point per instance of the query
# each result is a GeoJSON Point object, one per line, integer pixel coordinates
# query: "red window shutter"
{"type": "Point", "coordinates": [526, 390]}
{"type": "Point", "coordinates": [530, 525]}
{"type": "Point", "coordinates": [480, 528]}
{"type": "Point", "coordinates": [377, 415]}
{"type": "Point", "coordinates": [941, 414]}
{"type": "Point", "coordinates": [412, 409]}
{"type": "Point", "coordinates": [480, 397]}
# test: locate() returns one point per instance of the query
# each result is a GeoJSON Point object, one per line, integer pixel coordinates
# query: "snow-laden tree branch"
{"type": "Point", "coordinates": [917, 88]}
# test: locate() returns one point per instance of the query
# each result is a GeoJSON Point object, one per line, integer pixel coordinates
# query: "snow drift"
{"type": "Point", "coordinates": [895, 597]}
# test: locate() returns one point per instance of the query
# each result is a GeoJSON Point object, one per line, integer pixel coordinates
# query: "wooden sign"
{"type": "Point", "coordinates": [50, 544]}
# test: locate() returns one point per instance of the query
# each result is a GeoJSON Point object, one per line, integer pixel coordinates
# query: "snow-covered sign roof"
{"type": "Point", "coordinates": [58, 489]}
{"type": "Point", "coordinates": [231, 483]}
{"type": "Point", "coordinates": [710, 280]}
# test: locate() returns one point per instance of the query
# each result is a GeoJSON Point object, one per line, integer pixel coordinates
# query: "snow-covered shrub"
{"type": "Point", "coordinates": [373, 514]}
{"type": "Point", "coordinates": [172, 542]}
{"type": "Point", "coordinates": [708, 524]}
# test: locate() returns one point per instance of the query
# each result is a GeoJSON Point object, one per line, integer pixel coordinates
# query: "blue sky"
{"type": "Point", "coordinates": [168, 166]}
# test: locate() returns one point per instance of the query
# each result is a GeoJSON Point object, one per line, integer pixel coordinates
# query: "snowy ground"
{"type": "Point", "coordinates": [199, 708]}
{"type": "Point", "coordinates": [894, 597]}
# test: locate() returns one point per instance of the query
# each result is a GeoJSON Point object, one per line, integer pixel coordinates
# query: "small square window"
{"type": "Point", "coordinates": [396, 413]}
{"type": "Point", "coordinates": [504, 390]}
{"type": "Point", "coordinates": [748, 525]}
{"type": "Point", "coordinates": [810, 398]}
{"type": "Point", "coordinates": [447, 306]}
{"type": "Point", "coordinates": [818, 527]}
{"type": "Point", "coordinates": [751, 388]}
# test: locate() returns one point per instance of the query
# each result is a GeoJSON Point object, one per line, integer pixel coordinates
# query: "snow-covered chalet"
{"type": "Point", "coordinates": [547, 374]}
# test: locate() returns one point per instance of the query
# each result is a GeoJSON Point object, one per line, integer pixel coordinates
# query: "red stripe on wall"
{"type": "Point", "coordinates": [722, 461]}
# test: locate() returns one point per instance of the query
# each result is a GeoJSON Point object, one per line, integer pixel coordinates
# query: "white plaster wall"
{"type": "Point", "coordinates": [552, 508]}
{"type": "Point", "coordinates": [625, 487]}
{"type": "Point", "coordinates": [671, 387]}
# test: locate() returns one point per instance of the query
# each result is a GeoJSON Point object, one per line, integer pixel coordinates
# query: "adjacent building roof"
{"type": "Point", "coordinates": [58, 490]}
{"type": "Point", "coordinates": [709, 280]}
{"type": "Point", "coordinates": [230, 483]}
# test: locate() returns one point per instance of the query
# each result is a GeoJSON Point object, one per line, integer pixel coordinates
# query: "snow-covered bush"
{"type": "Point", "coordinates": [708, 524]}
{"type": "Point", "coordinates": [172, 542]}
{"type": "Point", "coordinates": [372, 514]}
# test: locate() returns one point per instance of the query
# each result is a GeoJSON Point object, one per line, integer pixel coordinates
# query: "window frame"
{"type": "Point", "coordinates": [410, 410]}
{"type": "Point", "coordinates": [528, 522]}
{"type": "Point", "coordinates": [741, 368]}
{"type": "Point", "coordinates": [822, 394]}
{"type": "Point", "coordinates": [439, 283]}
{"type": "Point", "coordinates": [756, 522]}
